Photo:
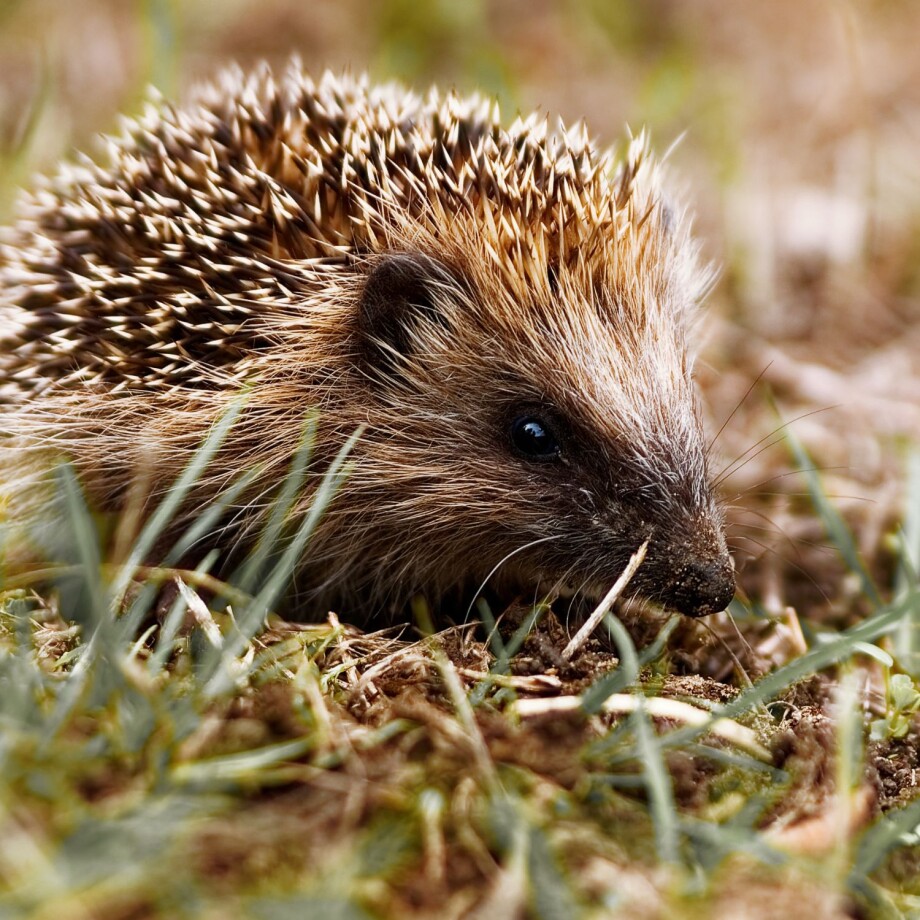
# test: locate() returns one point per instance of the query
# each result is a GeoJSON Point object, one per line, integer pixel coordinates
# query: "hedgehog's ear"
{"type": "Point", "coordinates": [398, 292]}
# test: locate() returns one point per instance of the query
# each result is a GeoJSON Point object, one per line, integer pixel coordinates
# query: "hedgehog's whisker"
{"type": "Point", "coordinates": [735, 659]}
{"type": "Point", "coordinates": [743, 459]}
{"type": "Point", "coordinates": [750, 490]}
{"type": "Point", "coordinates": [576, 593]}
{"type": "Point", "coordinates": [794, 542]}
{"type": "Point", "coordinates": [738, 405]}
{"type": "Point", "coordinates": [769, 549]}
{"type": "Point", "coordinates": [837, 496]}
{"type": "Point", "coordinates": [501, 562]}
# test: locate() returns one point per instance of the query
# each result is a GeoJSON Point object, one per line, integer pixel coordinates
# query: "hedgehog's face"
{"type": "Point", "coordinates": [552, 440]}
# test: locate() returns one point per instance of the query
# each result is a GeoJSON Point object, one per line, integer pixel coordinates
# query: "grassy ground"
{"type": "Point", "coordinates": [759, 765]}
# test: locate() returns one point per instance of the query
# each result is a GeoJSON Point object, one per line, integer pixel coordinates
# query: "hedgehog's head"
{"type": "Point", "coordinates": [533, 407]}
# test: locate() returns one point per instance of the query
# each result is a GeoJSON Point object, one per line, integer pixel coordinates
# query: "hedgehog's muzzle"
{"type": "Point", "coordinates": [704, 585]}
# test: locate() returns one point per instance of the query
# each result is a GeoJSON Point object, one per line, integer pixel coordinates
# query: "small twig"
{"type": "Point", "coordinates": [657, 707]}
{"type": "Point", "coordinates": [603, 608]}
{"type": "Point", "coordinates": [465, 715]}
{"type": "Point", "coordinates": [530, 683]}
{"type": "Point", "coordinates": [199, 610]}
{"type": "Point", "coordinates": [791, 619]}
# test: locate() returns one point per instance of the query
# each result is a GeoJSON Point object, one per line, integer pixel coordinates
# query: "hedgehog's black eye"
{"type": "Point", "coordinates": [533, 438]}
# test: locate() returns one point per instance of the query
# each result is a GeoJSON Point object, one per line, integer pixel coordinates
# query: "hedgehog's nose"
{"type": "Point", "coordinates": [703, 587]}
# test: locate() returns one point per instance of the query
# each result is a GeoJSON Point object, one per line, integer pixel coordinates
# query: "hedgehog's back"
{"type": "Point", "coordinates": [151, 271]}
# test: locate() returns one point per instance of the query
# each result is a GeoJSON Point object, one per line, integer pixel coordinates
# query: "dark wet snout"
{"type": "Point", "coordinates": [704, 586]}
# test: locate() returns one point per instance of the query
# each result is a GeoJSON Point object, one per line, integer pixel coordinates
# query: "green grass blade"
{"type": "Point", "coordinates": [631, 662]}
{"type": "Point", "coordinates": [551, 894]}
{"type": "Point", "coordinates": [906, 642]}
{"type": "Point", "coordinates": [75, 686]}
{"type": "Point", "coordinates": [833, 651]}
{"type": "Point", "coordinates": [279, 577]}
{"type": "Point", "coordinates": [167, 508]}
{"type": "Point", "coordinates": [659, 788]}
{"type": "Point", "coordinates": [505, 651]}
{"type": "Point", "coordinates": [244, 767]}
{"type": "Point", "coordinates": [252, 568]}
{"type": "Point", "coordinates": [655, 649]}
{"type": "Point", "coordinates": [712, 843]}
{"type": "Point", "coordinates": [836, 527]}
{"type": "Point", "coordinates": [207, 521]}
{"type": "Point", "coordinates": [204, 524]}
{"type": "Point", "coordinates": [496, 643]}
{"type": "Point", "coordinates": [220, 679]}
{"type": "Point", "coordinates": [892, 830]}
{"type": "Point", "coordinates": [734, 759]}
{"type": "Point", "coordinates": [626, 673]}
{"type": "Point", "coordinates": [83, 596]}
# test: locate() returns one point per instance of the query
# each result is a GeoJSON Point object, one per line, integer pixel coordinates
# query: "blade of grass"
{"type": "Point", "coordinates": [630, 664]}
{"type": "Point", "coordinates": [250, 571]}
{"type": "Point", "coordinates": [834, 524]}
{"type": "Point", "coordinates": [551, 893]}
{"type": "Point", "coordinates": [837, 649]}
{"type": "Point", "coordinates": [848, 717]}
{"type": "Point", "coordinates": [493, 636]}
{"type": "Point", "coordinates": [712, 843]}
{"type": "Point", "coordinates": [505, 652]}
{"type": "Point", "coordinates": [279, 577]}
{"type": "Point", "coordinates": [625, 675]}
{"type": "Point", "coordinates": [75, 685]}
{"type": "Point", "coordinates": [243, 767]}
{"type": "Point", "coordinates": [658, 786]}
{"type": "Point", "coordinates": [87, 605]}
{"type": "Point", "coordinates": [894, 829]}
{"type": "Point", "coordinates": [733, 759]}
{"type": "Point", "coordinates": [218, 671]}
{"type": "Point", "coordinates": [832, 652]}
{"type": "Point", "coordinates": [208, 520]}
{"type": "Point", "coordinates": [203, 525]}
{"type": "Point", "coordinates": [167, 508]}
{"type": "Point", "coordinates": [906, 643]}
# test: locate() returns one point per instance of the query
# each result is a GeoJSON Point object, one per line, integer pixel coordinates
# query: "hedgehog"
{"type": "Point", "coordinates": [505, 314]}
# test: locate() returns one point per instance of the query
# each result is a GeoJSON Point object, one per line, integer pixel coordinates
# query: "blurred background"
{"type": "Point", "coordinates": [799, 128]}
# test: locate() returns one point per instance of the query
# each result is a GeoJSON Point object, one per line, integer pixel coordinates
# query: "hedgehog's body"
{"type": "Point", "coordinates": [504, 311]}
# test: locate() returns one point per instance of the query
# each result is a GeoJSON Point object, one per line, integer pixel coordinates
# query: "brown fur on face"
{"type": "Point", "coordinates": [403, 265]}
